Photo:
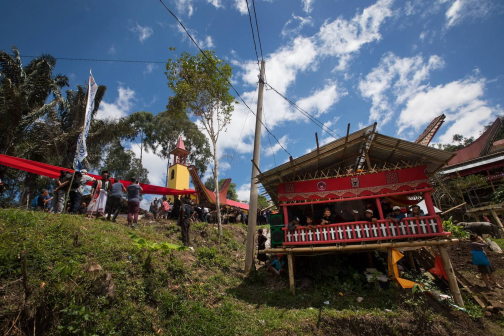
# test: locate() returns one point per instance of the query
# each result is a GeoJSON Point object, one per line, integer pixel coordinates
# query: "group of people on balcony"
{"type": "Point", "coordinates": [395, 214]}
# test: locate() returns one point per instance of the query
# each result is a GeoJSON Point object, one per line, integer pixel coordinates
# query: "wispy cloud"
{"type": "Point", "coordinates": [149, 68]}
{"type": "Point", "coordinates": [307, 5]}
{"type": "Point", "coordinates": [143, 32]}
{"type": "Point", "coordinates": [462, 9]}
{"type": "Point", "coordinates": [120, 108]}
{"type": "Point", "coordinates": [112, 50]}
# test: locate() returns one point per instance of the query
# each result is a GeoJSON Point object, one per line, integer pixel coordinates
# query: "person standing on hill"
{"type": "Point", "coordinates": [61, 190]}
{"type": "Point", "coordinates": [134, 190]}
{"type": "Point", "coordinates": [176, 207]}
{"type": "Point", "coordinates": [99, 191]}
{"type": "Point", "coordinates": [115, 199]}
{"type": "Point", "coordinates": [186, 213]}
{"type": "Point", "coordinates": [76, 193]}
{"type": "Point", "coordinates": [486, 271]}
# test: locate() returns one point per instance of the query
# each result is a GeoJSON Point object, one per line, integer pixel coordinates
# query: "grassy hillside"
{"type": "Point", "coordinates": [196, 292]}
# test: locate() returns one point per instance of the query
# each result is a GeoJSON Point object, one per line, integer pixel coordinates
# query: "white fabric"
{"type": "Point", "coordinates": [423, 207]}
{"type": "Point", "coordinates": [97, 206]}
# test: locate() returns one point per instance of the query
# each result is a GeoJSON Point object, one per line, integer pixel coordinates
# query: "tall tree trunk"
{"type": "Point", "coordinates": [216, 178]}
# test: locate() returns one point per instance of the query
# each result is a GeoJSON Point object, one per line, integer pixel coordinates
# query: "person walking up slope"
{"type": "Point", "coordinates": [134, 190]}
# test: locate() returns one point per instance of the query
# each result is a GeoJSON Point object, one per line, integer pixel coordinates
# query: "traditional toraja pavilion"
{"type": "Point", "coordinates": [363, 170]}
{"type": "Point", "coordinates": [179, 172]}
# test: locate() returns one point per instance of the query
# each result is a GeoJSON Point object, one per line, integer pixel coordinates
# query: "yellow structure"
{"type": "Point", "coordinates": [178, 174]}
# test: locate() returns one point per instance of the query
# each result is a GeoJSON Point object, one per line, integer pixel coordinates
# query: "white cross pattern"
{"type": "Point", "coordinates": [296, 236]}
{"type": "Point", "coordinates": [317, 233]}
{"type": "Point", "coordinates": [303, 235]}
{"type": "Point", "coordinates": [325, 233]}
{"type": "Point", "coordinates": [423, 225]}
{"type": "Point", "coordinates": [310, 234]}
{"type": "Point", "coordinates": [333, 233]}
{"type": "Point", "coordinates": [412, 226]}
{"type": "Point", "coordinates": [375, 229]}
{"type": "Point", "coordinates": [383, 229]}
{"type": "Point", "coordinates": [366, 229]}
{"type": "Point", "coordinates": [289, 236]}
{"type": "Point", "coordinates": [358, 230]}
{"type": "Point", "coordinates": [392, 228]}
{"type": "Point", "coordinates": [340, 232]}
{"type": "Point", "coordinates": [433, 225]}
{"type": "Point", "coordinates": [402, 226]}
{"type": "Point", "coordinates": [349, 232]}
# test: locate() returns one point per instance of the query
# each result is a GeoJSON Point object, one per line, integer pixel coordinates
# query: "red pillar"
{"type": "Point", "coordinates": [378, 205]}
{"type": "Point", "coordinates": [286, 216]}
{"type": "Point", "coordinates": [429, 204]}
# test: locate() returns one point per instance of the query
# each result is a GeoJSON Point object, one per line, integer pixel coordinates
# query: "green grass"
{"type": "Point", "coordinates": [200, 292]}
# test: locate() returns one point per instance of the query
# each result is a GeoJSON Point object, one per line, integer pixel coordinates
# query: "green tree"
{"type": "Point", "coordinates": [142, 126]}
{"type": "Point", "coordinates": [122, 163]}
{"type": "Point", "coordinates": [458, 142]}
{"type": "Point", "coordinates": [262, 203]}
{"type": "Point", "coordinates": [201, 82]}
{"type": "Point", "coordinates": [231, 193]}
{"type": "Point", "coordinates": [167, 126]}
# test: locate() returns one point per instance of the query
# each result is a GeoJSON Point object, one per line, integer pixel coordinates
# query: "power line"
{"type": "Point", "coordinates": [308, 115]}
{"type": "Point", "coordinates": [253, 35]}
{"type": "Point", "coordinates": [229, 83]}
{"type": "Point", "coordinates": [98, 60]}
{"type": "Point", "coordinates": [257, 27]}
{"type": "Point", "coordinates": [243, 127]}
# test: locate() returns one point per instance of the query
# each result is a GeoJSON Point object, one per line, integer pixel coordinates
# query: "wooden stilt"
{"type": "Point", "coordinates": [290, 262]}
{"type": "Point", "coordinates": [411, 260]}
{"type": "Point", "coordinates": [370, 263]}
{"type": "Point", "coordinates": [452, 280]}
{"type": "Point", "coordinates": [497, 219]}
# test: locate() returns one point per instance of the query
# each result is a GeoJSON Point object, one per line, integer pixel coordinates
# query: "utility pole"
{"type": "Point", "coordinates": [252, 218]}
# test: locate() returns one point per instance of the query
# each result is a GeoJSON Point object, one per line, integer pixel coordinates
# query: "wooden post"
{"type": "Point", "coordinates": [290, 261]}
{"type": "Point", "coordinates": [286, 216]}
{"type": "Point", "coordinates": [411, 260]}
{"type": "Point", "coordinates": [380, 210]}
{"type": "Point", "coordinates": [494, 214]}
{"type": "Point", "coordinates": [452, 280]}
{"type": "Point", "coordinates": [429, 204]}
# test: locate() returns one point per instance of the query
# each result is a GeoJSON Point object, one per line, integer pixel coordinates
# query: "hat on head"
{"type": "Point", "coordinates": [83, 171]}
{"type": "Point", "coordinates": [370, 211]}
{"type": "Point", "coordinates": [355, 211]}
{"type": "Point", "coordinates": [296, 219]}
{"type": "Point", "coordinates": [396, 208]}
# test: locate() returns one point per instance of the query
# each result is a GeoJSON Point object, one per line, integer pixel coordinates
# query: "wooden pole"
{"type": "Point", "coordinates": [411, 260]}
{"type": "Point", "coordinates": [497, 219]}
{"type": "Point", "coordinates": [452, 280]}
{"type": "Point", "coordinates": [290, 261]}
{"type": "Point", "coordinates": [252, 219]}
{"type": "Point", "coordinates": [451, 209]}
{"type": "Point", "coordinates": [364, 247]}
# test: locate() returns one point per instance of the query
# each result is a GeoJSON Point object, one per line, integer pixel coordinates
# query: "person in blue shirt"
{"type": "Point", "coordinates": [277, 266]}
{"type": "Point", "coordinates": [396, 215]}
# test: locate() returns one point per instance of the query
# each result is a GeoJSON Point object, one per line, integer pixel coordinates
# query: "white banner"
{"type": "Point", "coordinates": [81, 152]}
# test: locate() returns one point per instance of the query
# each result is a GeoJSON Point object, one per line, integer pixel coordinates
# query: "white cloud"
{"type": "Point", "coordinates": [269, 151]}
{"type": "Point", "coordinates": [216, 3]}
{"type": "Point", "coordinates": [143, 32]}
{"type": "Point", "coordinates": [206, 43]}
{"type": "Point", "coordinates": [320, 101]}
{"type": "Point", "coordinates": [149, 68]}
{"type": "Point", "coordinates": [342, 38]}
{"type": "Point", "coordinates": [460, 101]}
{"type": "Point", "coordinates": [287, 31]}
{"type": "Point", "coordinates": [185, 6]}
{"type": "Point", "coordinates": [243, 192]}
{"type": "Point", "coordinates": [241, 6]}
{"type": "Point", "coordinates": [307, 5]}
{"type": "Point", "coordinates": [153, 163]}
{"type": "Point", "coordinates": [112, 50]}
{"type": "Point", "coordinates": [462, 9]}
{"type": "Point", "coordinates": [400, 77]}
{"type": "Point", "coordinates": [120, 108]}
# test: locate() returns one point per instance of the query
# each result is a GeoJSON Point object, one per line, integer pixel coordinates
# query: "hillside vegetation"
{"type": "Point", "coordinates": [89, 277]}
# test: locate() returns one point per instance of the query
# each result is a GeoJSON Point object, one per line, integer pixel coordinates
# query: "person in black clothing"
{"type": "Point", "coordinates": [261, 245]}
{"type": "Point", "coordinates": [176, 207]}
{"type": "Point", "coordinates": [186, 213]}
{"type": "Point", "coordinates": [328, 217]}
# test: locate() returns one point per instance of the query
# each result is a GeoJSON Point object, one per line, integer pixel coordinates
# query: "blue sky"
{"type": "Point", "coordinates": [399, 63]}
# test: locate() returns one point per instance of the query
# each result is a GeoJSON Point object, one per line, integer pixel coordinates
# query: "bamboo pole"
{"type": "Point", "coordinates": [455, 207]}
{"type": "Point", "coordinates": [411, 260]}
{"type": "Point", "coordinates": [497, 219]}
{"type": "Point", "coordinates": [376, 246]}
{"type": "Point", "coordinates": [452, 280]}
{"type": "Point", "coordinates": [290, 261]}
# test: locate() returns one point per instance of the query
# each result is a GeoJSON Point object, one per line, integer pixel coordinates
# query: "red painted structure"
{"type": "Point", "coordinates": [48, 170]}
{"type": "Point", "coordinates": [408, 181]}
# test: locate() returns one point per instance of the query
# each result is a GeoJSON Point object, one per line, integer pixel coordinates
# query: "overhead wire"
{"type": "Point", "coordinates": [228, 82]}
{"type": "Point", "coordinates": [243, 127]}
{"type": "Point", "coordinates": [306, 114]}
{"type": "Point", "coordinates": [253, 34]}
{"type": "Point", "coordinates": [257, 27]}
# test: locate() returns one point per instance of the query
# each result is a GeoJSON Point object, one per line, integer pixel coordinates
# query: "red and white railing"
{"type": "Point", "coordinates": [429, 226]}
